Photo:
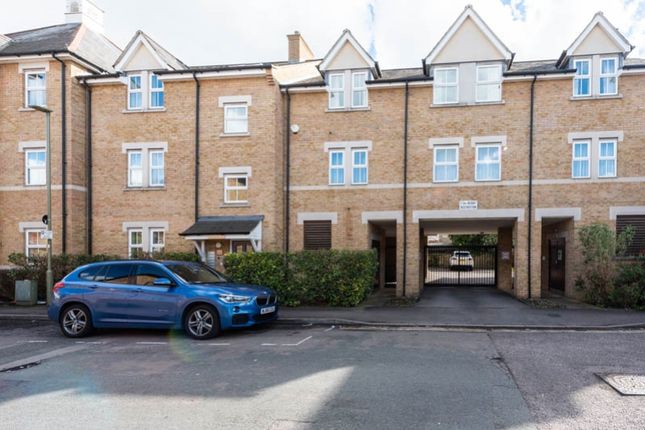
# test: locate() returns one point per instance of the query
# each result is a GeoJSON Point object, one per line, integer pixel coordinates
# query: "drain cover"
{"type": "Point", "coordinates": [627, 385]}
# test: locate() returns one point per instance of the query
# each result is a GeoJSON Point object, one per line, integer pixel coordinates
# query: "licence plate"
{"type": "Point", "coordinates": [268, 310]}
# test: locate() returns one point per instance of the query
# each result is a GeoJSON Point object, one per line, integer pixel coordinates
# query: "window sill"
{"type": "Point", "coordinates": [235, 134]}
{"type": "Point", "coordinates": [234, 205]}
{"type": "Point", "coordinates": [449, 105]}
{"type": "Point", "coordinates": [598, 97]}
{"type": "Point", "coordinates": [28, 109]}
{"type": "Point", "coordinates": [145, 188]}
{"type": "Point", "coordinates": [361, 109]}
{"type": "Point", "coordinates": [488, 180]}
{"type": "Point", "coordinates": [143, 110]}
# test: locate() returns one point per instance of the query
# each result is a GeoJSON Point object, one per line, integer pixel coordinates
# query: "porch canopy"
{"type": "Point", "coordinates": [246, 227]}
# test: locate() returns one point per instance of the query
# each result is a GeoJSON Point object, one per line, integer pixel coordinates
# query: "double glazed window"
{"type": "Point", "coordinates": [35, 245]}
{"type": "Point", "coordinates": [145, 240]}
{"type": "Point", "coordinates": [236, 118]}
{"type": "Point", "coordinates": [142, 84]}
{"type": "Point", "coordinates": [446, 164]}
{"type": "Point", "coordinates": [236, 188]}
{"type": "Point", "coordinates": [607, 159]}
{"type": "Point", "coordinates": [608, 76]}
{"type": "Point", "coordinates": [582, 80]}
{"type": "Point", "coordinates": [352, 160]}
{"type": "Point", "coordinates": [337, 167]}
{"type": "Point", "coordinates": [488, 165]}
{"type": "Point", "coordinates": [146, 168]}
{"type": "Point", "coordinates": [35, 169]}
{"type": "Point", "coordinates": [359, 166]}
{"type": "Point", "coordinates": [356, 90]}
{"type": "Point", "coordinates": [446, 88]}
{"type": "Point", "coordinates": [489, 83]}
{"type": "Point", "coordinates": [581, 164]}
{"type": "Point", "coordinates": [35, 88]}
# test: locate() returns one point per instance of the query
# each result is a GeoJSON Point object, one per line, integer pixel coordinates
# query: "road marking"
{"type": "Point", "coordinates": [330, 328]}
{"type": "Point", "coordinates": [84, 342]}
{"type": "Point", "coordinates": [307, 325]}
{"type": "Point", "coordinates": [269, 344]}
{"type": "Point", "coordinates": [40, 357]}
{"type": "Point", "coordinates": [216, 344]}
{"type": "Point", "coordinates": [152, 343]}
{"type": "Point", "coordinates": [37, 341]}
{"type": "Point", "coordinates": [299, 343]}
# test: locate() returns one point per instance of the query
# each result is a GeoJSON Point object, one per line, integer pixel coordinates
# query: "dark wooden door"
{"type": "Point", "coordinates": [390, 262]}
{"type": "Point", "coordinates": [556, 263]}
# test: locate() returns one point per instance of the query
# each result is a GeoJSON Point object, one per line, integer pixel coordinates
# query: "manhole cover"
{"type": "Point", "coordinates": [627, 385]}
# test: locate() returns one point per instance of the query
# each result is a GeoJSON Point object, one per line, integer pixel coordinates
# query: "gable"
{"type": "Point", "coordinates": [347, 58]}
{"type": "Point", "coordinates": [468, 43]}
{"type": "Point", "coordinates": [598, 41]}
{"type": "Point", "coordinates": [142, 59]}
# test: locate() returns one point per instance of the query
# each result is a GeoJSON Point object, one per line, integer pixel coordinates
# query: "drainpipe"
{"type": "Point", "coordinates": [530, 203]}
{"type": "Point", "coordinates": [287, 173]}
{"type": "Point", "coordinates": [197, 97]}
{"type": "Point", "coordinates": [405, 187]}
{"type": "Point", "coordinates": [63, 112]}
{"type": "Point", "coordinates": [88, 165]}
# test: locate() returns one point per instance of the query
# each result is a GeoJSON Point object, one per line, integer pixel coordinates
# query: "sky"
{"type": "Point", "coordinates": [397, 32]}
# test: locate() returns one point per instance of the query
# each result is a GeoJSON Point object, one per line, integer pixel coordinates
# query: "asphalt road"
{"type": "Point", "coordinates": [318, 377]}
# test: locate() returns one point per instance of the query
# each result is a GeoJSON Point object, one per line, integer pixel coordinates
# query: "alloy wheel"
{"type": "Point", "coordinates": [200, 323]}
{"type": "Point", "coordinates": [75, 321]}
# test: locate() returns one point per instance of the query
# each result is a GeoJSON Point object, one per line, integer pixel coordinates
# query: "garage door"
{"type": "Point", "coordinates": [474, 266]}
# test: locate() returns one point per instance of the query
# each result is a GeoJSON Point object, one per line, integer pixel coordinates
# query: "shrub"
{"type": "Point", "coordinates": [332, 277]}
{"type": "Point", "coordinates": [600, 246]}
{"type": "Point", "coordinates": [629, 286]}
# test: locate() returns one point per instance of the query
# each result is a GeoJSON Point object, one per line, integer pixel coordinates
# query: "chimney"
{"type": "Point", "coordinates": [85, 12]}
{"type": "Point", "coordinates": [298, 48]}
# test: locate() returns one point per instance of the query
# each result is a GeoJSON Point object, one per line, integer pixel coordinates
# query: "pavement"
{"type": "Point", "coordinates": [318, 377]}
{"type": "Point", "coordinates": [440, 307]}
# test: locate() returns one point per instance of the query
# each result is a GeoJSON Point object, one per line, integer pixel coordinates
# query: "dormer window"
{"type": "Point", "coordinates": [135, 92]}
{"type": "Point", "coordinates": [156, 92]}
{"type": "Point", "coordinates": [359, 89]}
{"type": "Point", "coordinates": [446, 87]}
{"type": "Point", "coordinates": [145, 91]}
{"type": "Point", "coordinates": [582, 80]}
{"type": "Point", "coordinates": [608, 79]}
{"type": "Point", "coordinates": [336, 90]}
{"type": "Point", "coordinates": [489, 83]}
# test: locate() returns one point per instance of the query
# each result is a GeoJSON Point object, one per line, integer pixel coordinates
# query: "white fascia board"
{"type": "Point", "coordinates": [107, 81]}
{"type": "Point", "coordinates": [347, 36]}
{"type": "Point", "coordinates": [225, 74]}
{"type": "Point", "coordinates": [140, 40]}
{"type": "Point", "coordinates": [599, 19]}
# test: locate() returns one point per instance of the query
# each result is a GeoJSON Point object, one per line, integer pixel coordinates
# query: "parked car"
{"type": "Point", "coordinates": [461, 260]}
{"type": "Point", "coordinates": [160, 295]}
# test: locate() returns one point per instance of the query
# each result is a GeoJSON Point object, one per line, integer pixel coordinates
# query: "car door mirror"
{"type": "Point", "coordinates": [163, 282]}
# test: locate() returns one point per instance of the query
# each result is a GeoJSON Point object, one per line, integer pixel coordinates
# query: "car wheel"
{"type": "Point", "coordinates": [202, 322]}
{"type": "Point", "coordinates": [76, 321]}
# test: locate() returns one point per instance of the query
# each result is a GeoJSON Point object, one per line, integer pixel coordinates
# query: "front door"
{"type": "Point", "coordinates": [556, 263]}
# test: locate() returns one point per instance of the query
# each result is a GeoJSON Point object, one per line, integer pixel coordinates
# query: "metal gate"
{"type": "Point", "coordinates": [467, 266]}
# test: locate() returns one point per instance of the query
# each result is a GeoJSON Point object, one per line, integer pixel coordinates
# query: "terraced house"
{"type": "Point", "coordinates": [331, 152]}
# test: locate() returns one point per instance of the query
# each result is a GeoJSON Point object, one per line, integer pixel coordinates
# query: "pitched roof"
{"type": "Point", "coordinates": [207, 225]}
{"type": "Point", "coordinates": [74, 38]}
{"type": "Point", "coordinates": [168, 60]}
{"type": "Point", "coordinates": [600, 19]}
{"type": "Point", "coordinates": [348, 37]}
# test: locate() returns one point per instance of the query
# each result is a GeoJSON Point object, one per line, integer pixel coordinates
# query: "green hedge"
{"type": "Point", "coordinates": [331, 277]}
{"type": "Point", "coordinates": [36, 267]}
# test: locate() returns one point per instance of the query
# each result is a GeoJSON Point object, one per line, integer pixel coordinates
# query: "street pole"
{"type": "Point", "coordinates": [49, 275]}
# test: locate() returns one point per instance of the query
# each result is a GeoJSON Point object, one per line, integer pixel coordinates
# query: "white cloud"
{"type": "Point", "coordinates": [223, 31]}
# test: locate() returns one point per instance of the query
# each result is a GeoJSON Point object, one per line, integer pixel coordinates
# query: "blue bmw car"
{"type": "Point", "coordinates": [160, 295]}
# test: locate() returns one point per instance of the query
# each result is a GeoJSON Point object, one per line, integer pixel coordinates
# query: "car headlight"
{"type": "Point", "coordinates": [231, 298]}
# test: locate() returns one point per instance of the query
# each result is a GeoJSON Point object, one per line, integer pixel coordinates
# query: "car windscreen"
{"type": "Point", "coordinates": [462, 254]}
{"type": "Point", "coordinates": [196, 273]}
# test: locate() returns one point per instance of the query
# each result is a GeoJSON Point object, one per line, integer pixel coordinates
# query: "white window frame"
{"type": "Point", "coordinates": [28, 169]}
{"type": "Point", "coordinates": [228, 188]}
{"type": "Point", "coordinates": [28, 89]}
{"type": "Point", "coordinates": [38, 231]}
{"type": "Point", "coordinates": [228, 106]}
{"type": "Point", "coordinates": [444, 85]}
{"type": "Point", "coordinates": [360, 89]}
{"type": "Point", "coordinates": [587, 158]}
{"type": "Point", "coordinates": [136, 91]}
{"type": "Point", "coordinates": [130, 168]}
{"type": "Point", "coordinates": [156, 247]}
{"type": "Point", "coordinates": [435, 163]}
{"type": "Point", "coordinates": [150, 167]}
{"type": "Point", "coordinates": [579, 76]}
{"type": "Point", "coordinates": [340, 167]}
{"type": "Point", "coordinates": [608, 75]}
{"type": "Point", "coordinates": [132, 246]}
{"type": "Point", "coordinates": [477, 162]}
{"type": "Point", "coordinates": [613, 158]}
{"type": "Point", "coordinates": [486, 83]}
{"type": "Point", "coordinates": [153, 90]}
{"type": "Point", "coordinates": [340, 90]}
{"type": "Point", "coordinates": [360, 166]}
